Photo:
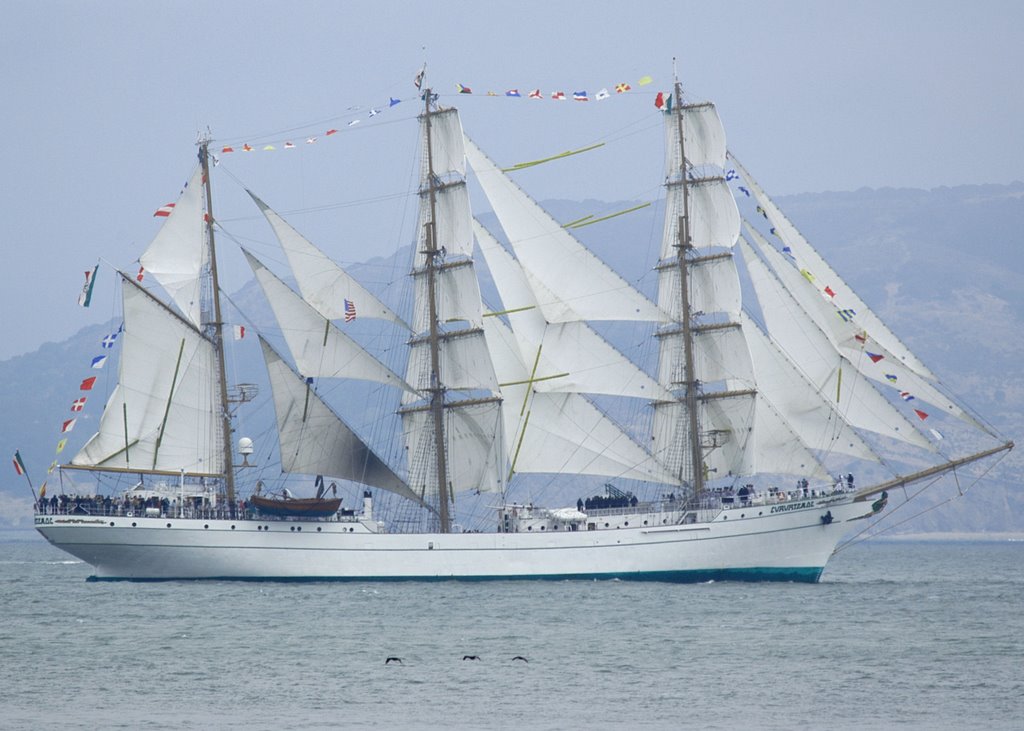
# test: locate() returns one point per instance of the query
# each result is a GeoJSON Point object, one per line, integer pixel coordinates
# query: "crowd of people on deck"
{"type": "Point", "coordinates": [126, 505]}
{"type": "Point", "coordinates": [747, 494]}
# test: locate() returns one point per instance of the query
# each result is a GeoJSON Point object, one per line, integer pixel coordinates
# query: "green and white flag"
{"type": "Point", "coordinates": [90, 279]}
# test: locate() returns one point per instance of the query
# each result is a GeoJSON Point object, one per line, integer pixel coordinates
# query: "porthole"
{"type": "Point", "coordinates": [318, 529]}
{"type": "Point", "coordinates": [232, 527]}
{"type": "Point", "coordinates": [259, 527]}
{"type": "Point", "coordinates": [168, 525]}
{"type": "Point", "coordinates": [605, 525]}
{"type": "Point", "coordinates": [645, 522]}
{"type": "Point", "coordinates": [299, 528]}
{"type": "Point", "coordinates": [529, 527]}
{"type": "Point", "coordinates": [742, 515]}
{"type": "Point", "coordinates": [293, 529]}
{"type": "Point", "coordinates": [542, 527]}
{"type": "Point", "coordinates": [760, 512]}
{"type": "Point", "coordinates": [133, 525]}
{"type": "Point", "coordinates": [627, 522]}
{"type": "Point", "coordinates": [111, 524]}
{"type": "Point", "coordinates": [205, 527]}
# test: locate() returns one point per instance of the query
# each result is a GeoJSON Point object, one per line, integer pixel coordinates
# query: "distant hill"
{"type": "Point", "coordinates": [943, 267]}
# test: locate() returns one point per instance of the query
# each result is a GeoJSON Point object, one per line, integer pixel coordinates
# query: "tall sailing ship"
{"type": "Point", "coordinates": [727, 472]}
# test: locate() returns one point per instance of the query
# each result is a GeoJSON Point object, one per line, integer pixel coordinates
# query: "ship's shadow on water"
{"type": "Point", "coordinates": [943, 619]}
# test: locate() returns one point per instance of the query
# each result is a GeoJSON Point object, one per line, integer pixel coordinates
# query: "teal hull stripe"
{"type": "Point", "coordinates": [807, 574]}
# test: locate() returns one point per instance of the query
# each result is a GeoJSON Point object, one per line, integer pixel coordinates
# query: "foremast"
{"type": "Point", "coordinates": [214, 328]}
{"type": "Point", "coordinates": [690, 383]}
{"type": "Point", "coordinates": [703, 357]}
{"type": "Point", "coordinates": [436, 388]}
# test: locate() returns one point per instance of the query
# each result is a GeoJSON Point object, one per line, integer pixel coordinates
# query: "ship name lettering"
{"type": "Point", "coordinates": [794, 506]}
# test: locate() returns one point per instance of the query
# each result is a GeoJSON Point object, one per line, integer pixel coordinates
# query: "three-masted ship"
{"type": "Point", "coordinates": [488, 396]}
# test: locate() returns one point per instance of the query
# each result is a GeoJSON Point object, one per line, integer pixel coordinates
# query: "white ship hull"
{"type": "Point", "coordinates": [784, 542]}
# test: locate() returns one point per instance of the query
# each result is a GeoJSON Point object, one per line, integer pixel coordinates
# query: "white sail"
{"type": "Point", "coordinates": [719, 354]}
{"type": "Point", "coordinates": [457, 295]}
{"type": "Point", "coordinates": [871, 358]}
{"type": "Point", "coordinates": [812, 352]}
{"type": "Point", "coordinates": [465, 363]}
{"type": "Point", "coordinates": [177, 256]}
{"type": "Point", "coordinates": [776, 448]}
{"type": "Point", "coordinates": [446, 143]}
{"type": "Point", "coordinates": [474, 449]}
{"type": "Point", "coordinates": [560, 433]}
{"type": "Point", "coordinates": [816, 420]}
{"type": "Point", "coordinates": [164, 412]}
{"type": "Point", "coordinates": [714, 287]}
{"type": "Point", "coordinates": [703, 134]}
{"type": "Point", "coordinates": [314, 441]}
{"type": "Point", "coordinates": [324, 285]}
{"type": "Point", "coordinates": [583, 360]}
{"type": "Point", "coordinates": [824, 277]}
{"type": "Point", "coordinates": [586, 287]}
{"type": "Point", "coordinates": [714, 218]}
{"type": "Point", "coordinates": [317, 345]}
{"type": "Point", "coordinates": [454, 221]}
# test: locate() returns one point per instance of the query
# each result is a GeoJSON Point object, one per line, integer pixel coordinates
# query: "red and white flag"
{"type": "Point", "coordinates": [164, 211]}
{"type": "Point", "coordinates": [19, 466]}
{"type": "Point", "coordinates": [239, 331]}
{"type": "Point", "coordinates": [78, 404]}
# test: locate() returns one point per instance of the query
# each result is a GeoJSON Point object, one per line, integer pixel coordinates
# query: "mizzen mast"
{"type": "Point", "coordinates": [215, 329]}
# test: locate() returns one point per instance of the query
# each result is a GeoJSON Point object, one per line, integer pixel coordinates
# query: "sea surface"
{"type": "Point", "coordinates": [897, 635]}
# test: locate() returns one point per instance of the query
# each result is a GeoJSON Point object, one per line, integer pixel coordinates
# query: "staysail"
{"type": "Point", "coordinates": [559, 432]}
{"type": "Point", "coordinates": [315, 441]}
{"type": "Point", "coordinates": [587, 288]}
{"type": "Point", "coordinates": [319, 348]}
{"type": "Point", "coordinates": [832, 375]}
{"type": "Point", "coordinates": [178, 255]}
{"type": "Point", "coordinates": [871, 358]}
{"type": "Point", "coordinates": [581, 359]}
{"type": "Point", "coordinates": [324, 285]}
{"type": "Point", "coordinates": [827, 281]}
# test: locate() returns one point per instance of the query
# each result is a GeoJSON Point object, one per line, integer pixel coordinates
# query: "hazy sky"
{"type": "Point", "coordinates": [103, 100]}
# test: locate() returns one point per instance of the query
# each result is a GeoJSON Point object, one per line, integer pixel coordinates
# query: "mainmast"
{"type": "Point", "coordinates": [215, 330]}
{"type": "Point", "coordinates": [684, 245]}
{"type": "Point", "coordinates": [436, 388]}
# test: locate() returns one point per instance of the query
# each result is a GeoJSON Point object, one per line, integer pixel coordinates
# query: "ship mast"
{"type": "Point", "coordinates": [215, 330]}
{"type": "Point", "coordinates": [683, 247]}
{"type": "Point", "coordinates": [436, 388]}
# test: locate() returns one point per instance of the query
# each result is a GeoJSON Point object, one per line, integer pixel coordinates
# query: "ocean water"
{"type": "Point", "coordinates": [897, 635]}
